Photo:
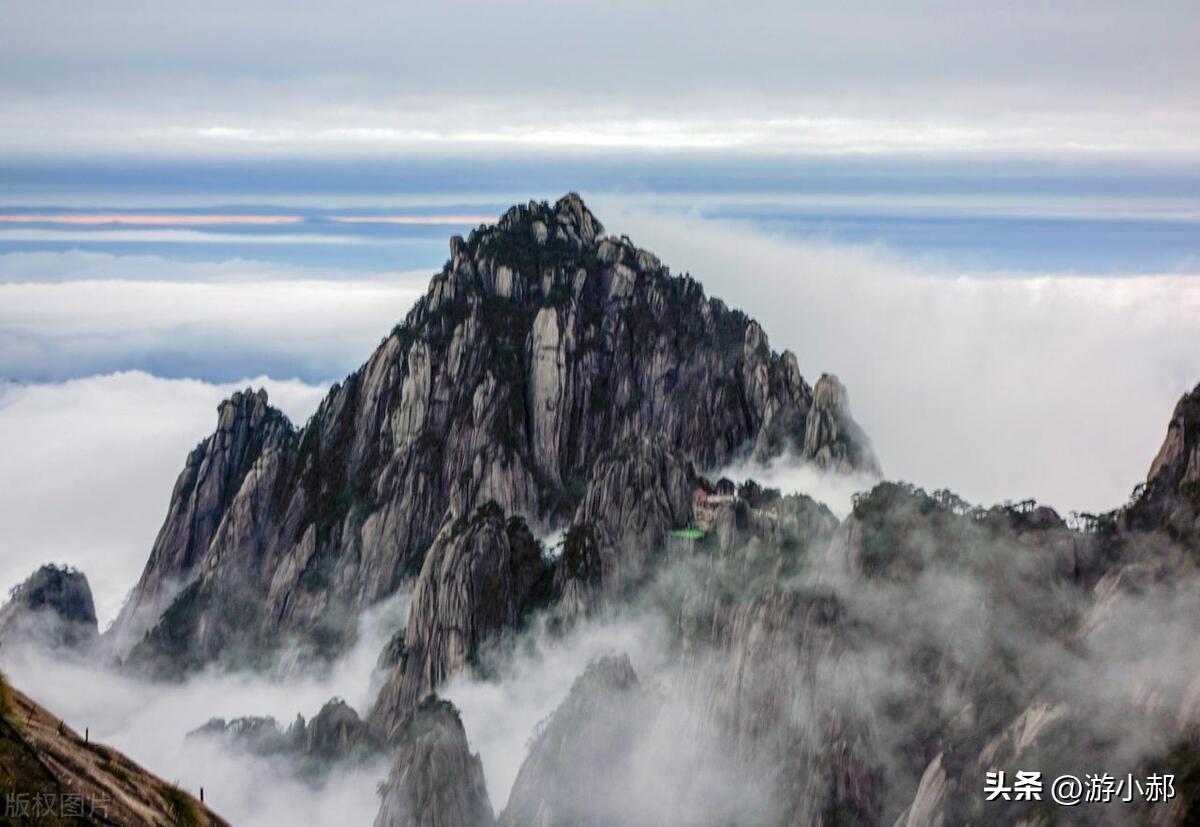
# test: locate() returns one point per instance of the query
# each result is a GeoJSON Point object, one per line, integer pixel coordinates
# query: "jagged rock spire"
{"type": "Point", "coordinates": [52, 608]}
{"type": "Point", "coordinates": [435, 781]}
{"type": "Point", "coordinates": [540, 345]}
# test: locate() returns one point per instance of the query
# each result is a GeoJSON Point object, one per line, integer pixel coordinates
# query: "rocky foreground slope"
{"type": "Point", "coordinates": [51, 775]}
{"type": "Point", "coordinates": [540, 345]}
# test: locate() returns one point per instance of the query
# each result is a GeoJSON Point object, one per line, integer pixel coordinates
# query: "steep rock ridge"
{"type": "Point", "coordinates": [52, 608]}
{"type": "Point", "coordinates": [435, 781]}
{"type": "Point", "coordinates": [832, 439]}
{"type": "Point", "coordinates": [479, 579]}
{"type": "Point", "coordinates": [578, 769]}
{"type": "Point", "coordinates": [539, 346]}
{"type": "Point", "coordinates": [1178, 460]}
{"type": "Point", "coordinates": [637, 493]}
{"type": "Point", "coordinates": [247, 428]}
{"type": "Point", "coordinates": [335, 735]}
{"type": "Point", "coordinates": [927, 808]}
{"type": "Point", "coordinates": [1170, 497]}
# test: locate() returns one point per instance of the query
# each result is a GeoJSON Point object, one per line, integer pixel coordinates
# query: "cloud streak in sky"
{"type": "Point", "coordinates": [318, 330]}
{"type": "Point", "coordinates": [147, 219]}
{"type": "Point", "coordinates": [873, 77]}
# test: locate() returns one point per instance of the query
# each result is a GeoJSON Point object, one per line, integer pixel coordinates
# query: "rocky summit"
{"type": "Point", "coordinates": [541, 346]}
{"type": "Point", "coordinates": [53, 608]}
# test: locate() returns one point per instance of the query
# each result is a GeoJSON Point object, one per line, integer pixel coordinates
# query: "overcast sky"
{"type": "Point", "coordinates": [354, 78]}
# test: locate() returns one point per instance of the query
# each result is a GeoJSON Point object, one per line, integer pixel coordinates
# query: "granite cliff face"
{"type": "Point", "coordinates": [638, 493]}
{"type": "Point", "coordinates": [248, 430]}
{"type": "Point", "coordinates": [540, 345]}
{"type": "Point", "coordinates": [1170, 497]}
{"type": "Point", "coordinates": [435, 781]}
{"type": "Point", "coordinates": [52, 608]}
{"type": "Point", "coordinates": [581, 754]}
{"type": "Point", "coordinates": [480, 578]}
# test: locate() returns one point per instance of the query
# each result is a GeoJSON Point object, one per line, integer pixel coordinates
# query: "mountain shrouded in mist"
{"type": "Point", "coordinates": [540, 346]}
{"type": "Point", "coordinates": [761, 661]}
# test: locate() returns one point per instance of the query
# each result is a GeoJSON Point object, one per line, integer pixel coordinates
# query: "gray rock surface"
{"type": "Point", "coordinates": [579, 761]}
{"type": "Point", "coordinates": [480, 578]}
{"type": "Point", "coordinates": [539, 346]}
{"type": "Point", "coordinates": [638, 492]}
{"type": "Point", "coordinates": [247, 430]}
{"type": "Point", "coordinates": [53, 608]}
{"type": "Point", "coordinates": [832, 439]}
{"type": "Point", "coordinates": [1170, 497]}
{"type": "Point", "coordinates": [435, 781]}
{"type": "Point", "coordinates": [336, 735]}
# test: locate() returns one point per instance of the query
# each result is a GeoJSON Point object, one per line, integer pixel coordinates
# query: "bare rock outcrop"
{"type": "Point", "coordinates": [480, 578]}
{"type": "Point", "coordinates": [435, 781]}
{"type": "Point", "coordinates": [336, 735]}
{"type": "Point", "coordinates": [53, 608]}
{"type": "Point", "coordinates": [638, 492]}
{"type": "Point", "coordinates": [928, 806]}
{"type": "Point", "coordinates": [1170, 497]}
{"type": "Point", "coordinates": [540, 345]}
{"type": "Point", "coordinates": [832, 439]}
{"type": "Point", "coordinates": [578, 770]}
{"type": "Point", "coordinates": [247, 429]}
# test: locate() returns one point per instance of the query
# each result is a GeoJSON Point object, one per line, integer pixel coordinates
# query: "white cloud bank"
{"type": "Point", "coordinates": [89, 466]}
{"type": "Point", "coordinates": [318, 329]}
{"type": "Point", "coordinates": [1057, 386]}
{"type": "Point", "coordinates": [84, 265]}
{"type": "Point", "coordinates": [150, 721]}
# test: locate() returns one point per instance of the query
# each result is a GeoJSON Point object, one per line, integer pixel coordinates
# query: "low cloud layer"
{"type": "Point", "coordinates": [1057, 386]}
{"type": "Point", "coordinates": [218, 329]}
{"type": "Point", "coordinates": [501, 715]}
{"type": "Point", "coordinates": [835, 490]}
{"type": "Point", "coordinates": [89, 465]}
{"type": "Point", "coordinates": [149, 722]}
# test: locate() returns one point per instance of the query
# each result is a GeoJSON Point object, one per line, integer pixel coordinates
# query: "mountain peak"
{"type": "Point", "coordinates": [539, 346]}
{"type": "Point", "coordinates": [567, 225]}
{"type": "Point", "coordinates": [52, 607]}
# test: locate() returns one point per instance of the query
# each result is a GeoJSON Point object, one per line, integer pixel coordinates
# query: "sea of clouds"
{"type": "Point", "coordinates": [999, 386]}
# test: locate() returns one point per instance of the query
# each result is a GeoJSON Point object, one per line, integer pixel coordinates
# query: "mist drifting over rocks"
{"type": "Point", "coordinates": [705, 646]}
